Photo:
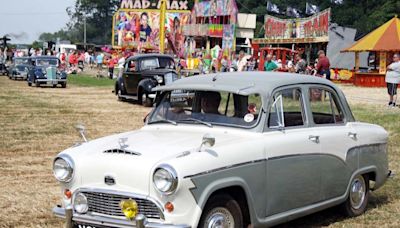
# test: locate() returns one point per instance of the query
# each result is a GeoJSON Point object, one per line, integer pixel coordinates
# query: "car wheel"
{"type": "Point", "coordinates": [357, 201]}
{"type": "Point", "coordinates": [29, 84]}
{"type": "Point", "coordinates": [54, 86]}
{"type": "Point", "coordinates": [63, 85]}
{"type": "Point", "coordinates": [222, 211]}
{"type": "Point", "coordinates": [37, 84]}
{"type": "Point", "coordinates": [119, 95]}
{"type": "Point", "coordinates": [147, 101]}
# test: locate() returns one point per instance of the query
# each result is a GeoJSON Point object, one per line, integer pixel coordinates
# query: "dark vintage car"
{"type": "Point", "coordinates": [20, 68]}
{"type": "Point", "coordinates": [141, 74]}
{"type": "Point", "coordinates": [46, 71]}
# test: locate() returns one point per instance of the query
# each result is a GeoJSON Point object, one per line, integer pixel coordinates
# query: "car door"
{"type": "Point", "coordinates": [338, 140]}
{"type": "Point", "coordinates": [292, 151]}
{"type": "Point", "coordinates": [131, 77]}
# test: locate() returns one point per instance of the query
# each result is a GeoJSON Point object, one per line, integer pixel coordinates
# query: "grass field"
{"type": "Point", "coordinates": [37, 123]}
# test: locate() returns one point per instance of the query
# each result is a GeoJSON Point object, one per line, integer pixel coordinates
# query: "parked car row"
{"type": "Point", "coordinates": [38, 71]}
{"type": "Point", "coordinates": [243, 149]}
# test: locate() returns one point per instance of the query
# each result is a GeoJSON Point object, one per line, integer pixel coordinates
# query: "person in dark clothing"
{"type": "Point", "coordinates": [145, 29]}
{"type": "Point", "coordinates": [323, 66]}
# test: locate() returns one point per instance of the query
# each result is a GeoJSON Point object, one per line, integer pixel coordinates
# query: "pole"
{"type": "Point", "coordinates": [84, 32]}
{"type": "Point", "coordinates": [163, 9]}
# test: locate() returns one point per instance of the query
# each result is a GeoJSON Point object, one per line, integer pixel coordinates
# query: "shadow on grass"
{"type": "Point", "coordinates": [332, 215]}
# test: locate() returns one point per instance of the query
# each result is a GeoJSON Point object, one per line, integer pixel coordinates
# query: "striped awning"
{"type": "Point", "coordinates": [384, 38]}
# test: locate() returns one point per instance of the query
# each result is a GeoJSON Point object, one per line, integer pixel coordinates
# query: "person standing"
{"type": "Point", "coordinates": [323, 66]}
{"type": "Point", "coordinates": [242, 62]}
{"type": "Point", "coordinates": [269, 65]}
{"type": "Point", "coordinates": [145, 29]}
{"type": "Point", "coordinates": [392, 79]}
{"type": "Point", "coordinates": [301, 65]}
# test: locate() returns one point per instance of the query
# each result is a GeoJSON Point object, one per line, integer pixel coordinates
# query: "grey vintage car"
{"type": "Point", "coordinates": [20, 68]}
{"type": "Point", "coordinates": [227, 150]}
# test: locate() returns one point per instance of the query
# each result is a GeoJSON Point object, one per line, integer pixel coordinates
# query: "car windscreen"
{"type": "Point", "coordinates": [46, 62]}
{"type": "Point", "coordinates": [21, 61]}
{"type": "Point", "coordinates": [208, 108]}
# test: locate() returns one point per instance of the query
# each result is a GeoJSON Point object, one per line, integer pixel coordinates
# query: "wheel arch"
{"type": "Point", "coordinates": [237, 188]}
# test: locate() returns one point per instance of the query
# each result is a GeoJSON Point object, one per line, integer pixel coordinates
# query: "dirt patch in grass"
{"type": "Point", "coordinates": [37, 123]}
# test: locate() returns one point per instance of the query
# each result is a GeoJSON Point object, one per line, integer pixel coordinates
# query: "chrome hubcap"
{"type": "Point", "coordinates": [357, 192]}
{"type": "Point", "coordinates": [220, 218]}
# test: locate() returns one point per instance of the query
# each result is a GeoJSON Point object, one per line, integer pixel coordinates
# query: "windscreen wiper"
{"type": "Point", "coordinates": [197, 121]}
{"type": "Point", "coordinates": [163, 121]}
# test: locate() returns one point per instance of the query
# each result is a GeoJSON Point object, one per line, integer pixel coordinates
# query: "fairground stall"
{"type": "Point", "coordinates": [136, 25]}
{"type": "Point", "coordinates": [381, 43]}
{"type": "Point", "coordinates": [305, 35]}
{"type": "Point", "coordinates": [213, 26]}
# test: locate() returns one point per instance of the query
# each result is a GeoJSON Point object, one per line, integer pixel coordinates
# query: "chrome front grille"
{"type": "Point", "coordinates": [108, 204]}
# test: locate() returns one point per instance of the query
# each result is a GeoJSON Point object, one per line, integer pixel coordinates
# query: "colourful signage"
{"type": "Point", "coordinates": [315, 27]}
{"type": "Point", "coordinates": [151, 4]}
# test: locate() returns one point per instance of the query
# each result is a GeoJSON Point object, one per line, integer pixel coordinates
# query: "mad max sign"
{"type": "Point", "coordinates": [314, 28]}
{"type": "Point", "coordinates": [151, 4]}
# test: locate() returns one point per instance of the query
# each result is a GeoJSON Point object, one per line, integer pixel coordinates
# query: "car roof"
{"type": "Point", "coordinates": [44, 57]}
{"type": "Point", "coordinates": [139, 56]}
{"type": "Point", "coordinates": [245, 83]}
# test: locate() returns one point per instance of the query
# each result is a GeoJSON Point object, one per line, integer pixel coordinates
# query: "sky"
{"type": "Point", "coordinates": [25, 20]}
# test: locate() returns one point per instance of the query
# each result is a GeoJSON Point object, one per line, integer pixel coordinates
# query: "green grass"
{"type": "Point", "coordinates": [89, 81]}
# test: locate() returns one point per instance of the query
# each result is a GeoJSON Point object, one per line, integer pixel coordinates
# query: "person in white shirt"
{"type": "Point", "coordinates": [242, 62]}
{"type": "Point", "coordinates": [392, 79]}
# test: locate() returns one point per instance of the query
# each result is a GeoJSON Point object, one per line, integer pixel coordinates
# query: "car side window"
{"type": "Point", "coordinates": [325, 107]}
{"type": "Point", "coordinates": [290, 107]}
{"type": "Point", "coordinates": [131, 66]}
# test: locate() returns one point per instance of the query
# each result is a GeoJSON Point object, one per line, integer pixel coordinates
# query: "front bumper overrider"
{"type": "Point", "coordinates": [139, 222]}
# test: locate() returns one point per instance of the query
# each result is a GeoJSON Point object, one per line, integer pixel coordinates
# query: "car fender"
{"type": "Point", "coordinates": [146, 85]}
{"type": "Point", "coordinates": [226, 183]}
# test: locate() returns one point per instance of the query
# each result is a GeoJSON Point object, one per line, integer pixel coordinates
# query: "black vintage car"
{"type": "Point", "coordinates": [141, 74]}
{"type": "Point", "coordinates": [46, 71]}
{"type": "Point", "coordinates": [20, 68]}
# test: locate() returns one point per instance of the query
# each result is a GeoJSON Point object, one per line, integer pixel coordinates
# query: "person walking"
{"type": "Point", "coordinates": [269, 65]}
{"type": "Point", "coordinates": [323, 65]}
{"type": "Point", "coordinates": [392, 79]}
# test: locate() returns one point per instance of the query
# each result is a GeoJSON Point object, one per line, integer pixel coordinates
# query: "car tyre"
{"type": "Point", "coordinates": [222, 211]}
{"type": "Point", "coordinates": [37, 84]}
{"type": "Point", "coordinates": [29, 84]}
{"type": "Point", "coordinates": [146, 100]}
{"type": "Point", "coordinates": [119, 94]}
{"type": "Point", "coordinates": [63, 85]}
{"type": "Point", "coordinates": [357, 201]}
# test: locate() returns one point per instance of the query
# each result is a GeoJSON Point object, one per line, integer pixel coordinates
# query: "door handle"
{"type": "Point", "coordinates": [352, 135]}
{"type": "Point", "coordinates": [314, 138]}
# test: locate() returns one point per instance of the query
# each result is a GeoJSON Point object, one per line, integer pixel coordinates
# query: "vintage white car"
{"type": "Point", "coordinates": [227, 150]}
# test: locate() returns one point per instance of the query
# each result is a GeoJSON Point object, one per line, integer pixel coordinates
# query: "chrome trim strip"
{"type": "Point", "coordinates": [128, 194]}
{"type": "Point", "coordinates": [225, 167]}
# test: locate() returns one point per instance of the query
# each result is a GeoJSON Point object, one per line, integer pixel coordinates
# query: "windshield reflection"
{"type": "Point", "coordinates": [208, 108]}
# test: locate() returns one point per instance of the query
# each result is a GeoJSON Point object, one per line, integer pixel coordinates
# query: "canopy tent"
{"type": "Point", "coordinates": [383, 39]}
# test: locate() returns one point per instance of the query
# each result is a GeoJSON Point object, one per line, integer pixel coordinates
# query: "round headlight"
{"type": "Point", "coordinates": [159, 79]}
{"type": "Point", "coordinates": [165, 179]}
{"type": "Point", "coordinates": [80, 203]}
{"type": "Point", "coordinates": [63, 169]}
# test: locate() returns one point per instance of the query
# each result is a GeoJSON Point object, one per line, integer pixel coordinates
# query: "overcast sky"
{"type": "Point", "coordinates": [25, 20]}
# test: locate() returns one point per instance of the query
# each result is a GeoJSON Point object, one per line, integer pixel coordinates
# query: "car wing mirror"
{"type": "Point", "coordinates": [81, 129]}
{"type": "Point", "coordinates": [207, 141]}
{"type": "Point", "coordinates": [278, 109]}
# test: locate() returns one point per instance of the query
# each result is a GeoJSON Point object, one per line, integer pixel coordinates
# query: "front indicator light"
{"type": "Point", "coordinates": [67, 194]}
{"type": "Point", "coordinates": [169, 207]}
{"type": "Point", "coordinates": [129, 208]}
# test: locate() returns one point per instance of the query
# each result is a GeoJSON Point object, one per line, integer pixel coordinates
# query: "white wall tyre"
{"type": "Point", "coordinates": [357, 201]}
{"type": "Point", "coordinates": [221, 211]}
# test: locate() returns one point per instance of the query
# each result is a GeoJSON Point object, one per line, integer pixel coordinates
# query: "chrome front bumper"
{"type": "Point", "coordinates": [54, 81]}
{"type": "Point", "coordinates": [110, 222]}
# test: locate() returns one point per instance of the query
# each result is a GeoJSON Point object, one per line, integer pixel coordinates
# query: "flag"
{"type": "Point", "coordinates": [271, 7]}
{"type": "Point", "coordinates": [292, 12]}
{"type": "Point", "coordinates": [311, 9]}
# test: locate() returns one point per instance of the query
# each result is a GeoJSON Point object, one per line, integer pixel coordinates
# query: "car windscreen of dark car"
{"type": "Point", "coordinates": [22, 61]}
{"type": "Point", "coordinates": [46, 62]}
{"type": "Point", "coordinates": [208, 108]}
{"type": "Point", "coordinates": [157, 63]}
